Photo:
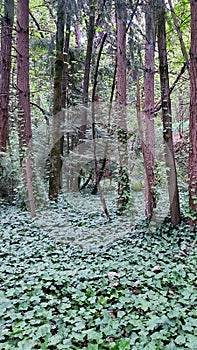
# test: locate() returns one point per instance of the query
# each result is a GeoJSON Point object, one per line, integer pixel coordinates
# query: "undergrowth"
{"type": "Point", "coordinates": [138, 292]}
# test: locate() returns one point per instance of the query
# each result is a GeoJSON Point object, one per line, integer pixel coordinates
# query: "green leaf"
{"type": "Point", "coordinates": [43, 330]}
{"type": "Point", "coordinates": [92, 346]}
{"type": "Point", "coordinates": [54, 340]}
{"type": "Point", "coordinates": [191, 341]}
{"type": "Point", "coordinates": [26, 344]}
{"type": "Point", "coordinates": [180, 339]}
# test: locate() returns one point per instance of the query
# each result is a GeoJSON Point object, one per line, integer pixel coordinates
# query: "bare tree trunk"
{"type": "Point", "coordinates": [77, 34]}
{"type": "Point", "coordinates": [149, 146]}
{"type": "Point", "coordinates": [5, 67]}
{"type": "Point", "coordinates": [65, 69]}
{"type": "Point", "coordinates": [140, 121]}
{"type": "Point", "coordinates": [64, 102]}
{"type": "Point", "coordinates": [123, 181]}
{"type": "Point", "coordinates": [167, 118]}
{"type": "Point", "coordinates": [192, 171]}
{"type": "Point", "coordinates": [24, 122]}
{"type": "Point", "coordinates": [98, 177]}
{"type": "Point", "coordinates": [58, 138]}
{"type": "Point", "coordinates": [97, 185]}
{"type": "Point", "coordinates": [86, 80]}
{"type": "Point", "coordinates": [139, 113]}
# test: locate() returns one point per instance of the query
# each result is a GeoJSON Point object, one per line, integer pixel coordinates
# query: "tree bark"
{"type": "Point", "coordinates": [98, 175]}
{"type": "Point", "coordinates": [22, 48]}
{"type": "Point", "coordinates": [149, 146]}
{"type": "Point", "coordinates": [123, 180]}
{"type": "Point", "coordinates": [167, 118]}
{"type": "Point", "coordinates": [86, 79]}
{"type": "Point", "coordinates": [66, 62]}
{"type": "Point", "coordinates": [65, 89]}
{"type": "Point", "coordinates": [58, 138]}
{"type": "Point", "coordinates": [24, 115]}
{"type": "Point", "coordinates": [192, 171]}
{"type": "Point", "coordinates": [5, 67]}
{"type": "Point", "coordinates": [86, 82]}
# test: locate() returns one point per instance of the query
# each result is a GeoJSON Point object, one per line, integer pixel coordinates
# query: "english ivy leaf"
{"type": "Point", "coordinates": [180, 340]}
{"type": "Point", "coordinates": [43, 330]}
{"type": "Point", "coordinates": [54, 340]}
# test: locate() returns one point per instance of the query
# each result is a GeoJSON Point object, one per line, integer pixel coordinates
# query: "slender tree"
{"type": "Point", "coordinates": [97, 186]}
{"type": "Point", "coordinates": [167, 117]}
{"type": "Point", "coordinates": [5, 67]}
{"type": "Point", "coordinates": [86, 79]}
{"type": "Point", "coordinates": [65, 83]}
{"type": "Point", "coordinates": [192, 172]}
{"type": "Point", "coordinates": [98, 174]}
{"type": "Point", "coordinates": [149, 145]}
{"type": "Point", "coordinates": [23, 88]}
{"type": "Point", "coordinates": [86, 83]}
{"type": "Point", "coordinates": [123, 181]}
{"type": "Point", "coordinates": [66, 62]}
{"type": "Point", "coordinates": [57, 137]}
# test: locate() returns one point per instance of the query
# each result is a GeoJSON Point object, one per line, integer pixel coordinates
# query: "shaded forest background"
{"type": "Point", "coordinates": [96, 99]}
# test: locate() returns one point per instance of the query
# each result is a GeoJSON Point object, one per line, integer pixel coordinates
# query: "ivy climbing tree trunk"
{"type": "Point", "coordinates": [5, 67]}
{"type": "Point", "coordinates": [167, 118]}
{"type": "Point", "coordinates": [57, 133]}
{"type": "Point", "coordinates": [123, 178]}
{"type": "Point", "coordinates": [23, 88]}
{"type": "Point", "coordinates": [149, 145]}
{"type": "Point", "coordinates": [192, 173]}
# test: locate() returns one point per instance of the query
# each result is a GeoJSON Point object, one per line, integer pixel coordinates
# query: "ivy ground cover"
{"type": "Point", "coordinates": [138, 292]}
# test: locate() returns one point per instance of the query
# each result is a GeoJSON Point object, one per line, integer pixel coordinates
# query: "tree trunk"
{"type": "Point", "coordinates": [192, 172]}
{"type": "Point", "coordinates": [123, 181]}
{"type": "Point", "coordinates": [66, 62]}
{"type": "Point", "coordinates": [167, 118]}
{"type": "Point", "coordinates": [98, 176]}
{"type": "Point", "coordinates": [91, 30]}
{"type": "Point", "coordinates": [149, 146]}
{"type": "Point", "coordinates": [22, 48]}
{"type": "Point", "coordinates": [58, 138]}
{"type": "Point", "coordinates": [77, 35]}
{"type": "Point", "coordinates": [24, 121]}
{"type": "Point", "coordinates": [65, 90]}
{"type": "Point", "coordinates": [86, 81]}
{"type": "Point", "coordinates": [5, 67]}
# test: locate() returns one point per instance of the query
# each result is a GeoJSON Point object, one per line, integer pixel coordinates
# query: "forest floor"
{"type": "Point", "coordinates": [78, 218]}
{"type": "Point", "coordinates": [71, 279]}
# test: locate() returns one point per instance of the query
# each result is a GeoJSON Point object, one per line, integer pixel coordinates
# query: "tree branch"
{"type": "Point", "coordinates": [37, 24]}
{"type": "Point", "coordinates": [158, 104]}
{"type": "Point", "coordinates": [45, 113]}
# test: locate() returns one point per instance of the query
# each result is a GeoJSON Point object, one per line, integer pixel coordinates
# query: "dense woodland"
{"type": "Point", "coordinates": [84, 87]}
{"type": "Point", "coordinates": [98, 174]}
